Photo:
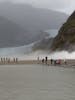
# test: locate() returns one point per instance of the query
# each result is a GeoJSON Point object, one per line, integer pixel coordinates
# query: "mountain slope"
{"type": "Point", "coordinates": [65, 40]}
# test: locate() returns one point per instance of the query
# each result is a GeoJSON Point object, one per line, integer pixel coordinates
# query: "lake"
{"type": "Point", "coordinates": [36, 82]}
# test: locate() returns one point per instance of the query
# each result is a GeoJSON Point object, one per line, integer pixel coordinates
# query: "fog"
{"type": "Point", "coordinates": [26, 53]}
{"type": "Point", "coordinates": [43, 54]}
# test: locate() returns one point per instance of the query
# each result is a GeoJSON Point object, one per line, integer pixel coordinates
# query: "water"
{"type": "Point", "coordinates": [36, 82]}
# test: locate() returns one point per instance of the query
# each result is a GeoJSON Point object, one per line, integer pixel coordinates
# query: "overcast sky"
{"type": "Point", "coordinates": [67, 6]}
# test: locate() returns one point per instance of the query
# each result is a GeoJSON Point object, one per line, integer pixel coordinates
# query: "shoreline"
{"type": "Point", "coordinates": [70, 63]}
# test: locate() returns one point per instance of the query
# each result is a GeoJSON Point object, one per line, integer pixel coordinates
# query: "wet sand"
{"type": "Point", "coordinates": [36, 82]}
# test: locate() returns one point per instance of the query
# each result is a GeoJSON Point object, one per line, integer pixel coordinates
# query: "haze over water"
{"type": "Point", "coordinates": [36, 82]}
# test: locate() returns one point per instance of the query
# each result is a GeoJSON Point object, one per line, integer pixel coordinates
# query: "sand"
{"type": "Point", "coordinates": [70, 63]}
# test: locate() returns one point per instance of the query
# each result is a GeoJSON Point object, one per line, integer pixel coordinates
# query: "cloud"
{"type": "Point", "coordinates": [61, 5]}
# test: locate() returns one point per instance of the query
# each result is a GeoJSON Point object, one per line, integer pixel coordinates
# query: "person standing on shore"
{"type": "Point", "coordinates": [16, 60]}
{"type": "Point", "coordinates": [1, 60]}
{"type": "Point", "coordinates": [55, 62]}
{"type": "Point", "coordinates": [65, 62]}
{"type": "Point", "coordinates": [43, 61]}
{"type": "Point", "coordinates": [38, 60]}
{"type": "Point", "coordinates": [46, 59]}
{"type": "Point", "coordinates": [51, 61]}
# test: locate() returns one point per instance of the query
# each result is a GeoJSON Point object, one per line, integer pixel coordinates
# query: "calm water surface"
{"type": "Point", "coordinates": [36, 82]}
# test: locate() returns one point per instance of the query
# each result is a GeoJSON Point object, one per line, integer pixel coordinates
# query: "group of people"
{"type": "Point", "coordinates": [58, 61]}
{"type": "Point", "coordinates": [45, 60]}
{"type": "Point", "coordinates": [8, 60]}
{"type": "Point", "coordinates": [52, 61]}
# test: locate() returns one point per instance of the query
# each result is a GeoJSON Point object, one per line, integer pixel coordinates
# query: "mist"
{"type": "Point", "coordinates": [26, 53]}
{"type": "Point", "coordinates": [43, 54]}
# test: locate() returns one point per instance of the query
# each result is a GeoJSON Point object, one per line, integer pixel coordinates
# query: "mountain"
{"type": "Point", "coordinates": [65, 40]}
{"type": "Point", "coordinates": [31, 19]}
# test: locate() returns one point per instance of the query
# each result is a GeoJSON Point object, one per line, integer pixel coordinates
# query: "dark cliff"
{"type": "Point", "coordinates": [65, 40]}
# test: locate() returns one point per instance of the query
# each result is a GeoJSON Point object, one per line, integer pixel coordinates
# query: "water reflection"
{"type": "Point", "coordinates": [36, 82]}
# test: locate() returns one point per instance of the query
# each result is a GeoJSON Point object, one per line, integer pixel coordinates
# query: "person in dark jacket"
{"type": "Point", "coordinates": [46, 59]}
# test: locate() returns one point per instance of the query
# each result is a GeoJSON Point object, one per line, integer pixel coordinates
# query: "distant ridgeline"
{"type": "Point", "coordinates": [65, 40]}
